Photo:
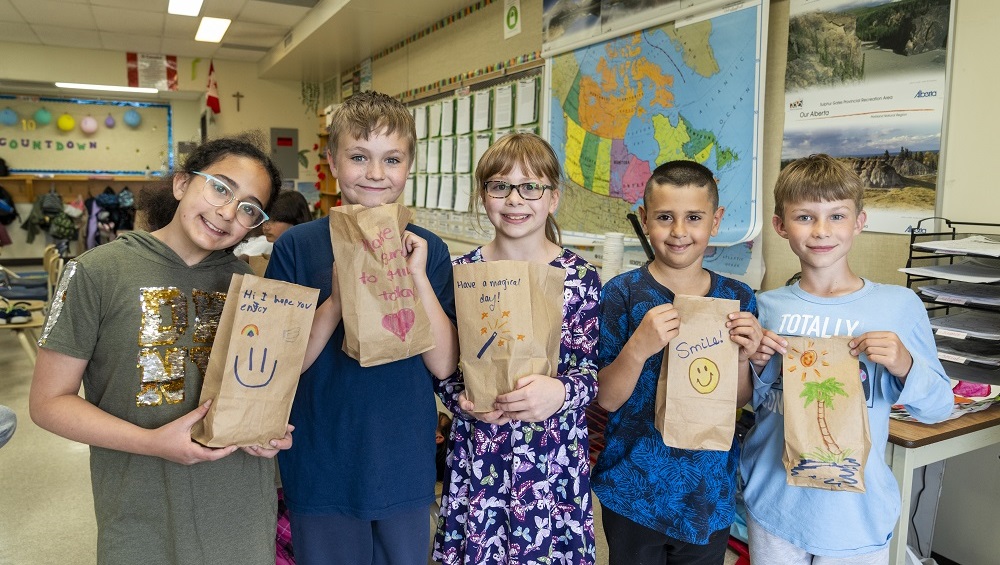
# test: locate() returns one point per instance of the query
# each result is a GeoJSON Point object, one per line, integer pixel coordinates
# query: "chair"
{"type": "Point", "coordinates": [55, 270]}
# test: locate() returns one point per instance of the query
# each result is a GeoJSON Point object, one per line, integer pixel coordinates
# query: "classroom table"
{"type": "Point", "coordinates": [27, 333]}
{"type": "Point", "coordinates": [913, 445]}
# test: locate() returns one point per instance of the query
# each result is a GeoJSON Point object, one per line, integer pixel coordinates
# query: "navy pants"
{"type": "Point", "coordinates": [400, 539]}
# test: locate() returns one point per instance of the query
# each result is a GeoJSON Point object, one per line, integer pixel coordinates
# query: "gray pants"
{"type": "Point", "coordinates": [8, 423]}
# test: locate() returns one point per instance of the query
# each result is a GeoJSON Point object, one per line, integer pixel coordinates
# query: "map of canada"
{"type": "Point", "coordinates": [622, 107]}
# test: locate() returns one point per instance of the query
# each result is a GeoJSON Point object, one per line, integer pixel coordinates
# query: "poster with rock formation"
{"type": "Point", "coordinates": [865, 83]}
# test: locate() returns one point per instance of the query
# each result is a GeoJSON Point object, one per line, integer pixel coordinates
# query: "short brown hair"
{"type": "Point", "coordinates": [684, 173]}
{"type": "Point", "coordinates": [365, 113]}
{"type": "Point", "coordinates": [817, 178]}
{"type": "Point", "coordinates": [534, 155]}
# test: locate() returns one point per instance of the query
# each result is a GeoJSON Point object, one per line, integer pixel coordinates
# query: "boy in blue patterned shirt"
{"type": "Point", "coordinates": [661, 504]}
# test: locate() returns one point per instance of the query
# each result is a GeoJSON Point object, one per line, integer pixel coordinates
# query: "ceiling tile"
{"type": "Point", "coordinates": [228, 9]}
{"type": "Point", "coordinates": [260, 35]}
{"type": "Point", "coordinates": [60, 14]}
{"type": "Point", "coordinates": [181, 26]}
{"type": "Point", "coordinates": [271, 13]}
{"type": "Point", "coordinates": [17, 33]}
{"type": "Point", "coordinates": [130, 43]}
{"type": "Point", "coordinates": [67, 37]}
{"type": "Point", "coordinates": [187, 47]}
{"type": "Point", "coordinates": [128, 21]}
{"type": "Point", "coordinates": [8, 14]}
{"type": "Point", "coordinates": [148, 5]}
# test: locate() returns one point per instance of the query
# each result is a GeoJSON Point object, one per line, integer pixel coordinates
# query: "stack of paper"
{"type": "Point", "coordinates": [979, 325]}
{"type": "Point", "coordinates": [971, 271]}
{"type": "Point", "coordinates": [963, 293]}
{"type": "Point", "coordinates": [975, 245]}
{"type": "Point", "coordinates": [965, 352]}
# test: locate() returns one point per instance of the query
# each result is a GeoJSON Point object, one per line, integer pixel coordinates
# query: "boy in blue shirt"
{"type": "Point", "coordinates": [359, 479]}
{"type": "Point", "coordinates": [661, 504]}
{"type": "Point", "coordinates": [818, 209]}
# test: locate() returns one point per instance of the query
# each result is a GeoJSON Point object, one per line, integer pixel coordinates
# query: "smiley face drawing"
{"type": "Point", "coordinates": [704, 375]}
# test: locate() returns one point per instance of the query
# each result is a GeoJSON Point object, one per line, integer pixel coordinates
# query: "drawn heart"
{"type": "Point", "coordinates": [399, 323]}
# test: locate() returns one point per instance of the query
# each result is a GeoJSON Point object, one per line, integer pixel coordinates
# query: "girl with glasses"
{"type": "Point", "coordinates": [538, 508]}
{"type": "Point", "coordinates": [134, 321]}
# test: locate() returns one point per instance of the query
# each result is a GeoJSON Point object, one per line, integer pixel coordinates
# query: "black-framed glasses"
{"type": "Point", "coordinates": [527, 190]}
{"type": "Point", "coordinates": [218, 194]}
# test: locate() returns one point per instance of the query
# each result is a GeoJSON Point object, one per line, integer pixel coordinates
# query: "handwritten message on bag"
{"type": "Point", "coordinates": [256, 360]}
{"type": "Point", "coordinates": [509, 325]}
{"type": "Point", "coordinates": [383, 318]}
{"type": "Point", "coordinates": [696, 391]}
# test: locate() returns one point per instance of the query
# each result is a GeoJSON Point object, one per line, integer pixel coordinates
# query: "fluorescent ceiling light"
{"type": "Point", "coordinates": [184, 7]}
{"type": "Point", "coordinates": [211, 30]}
{"type": "Point", "coordinates": [110, 88]}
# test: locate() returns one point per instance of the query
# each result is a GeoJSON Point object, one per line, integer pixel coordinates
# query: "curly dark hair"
{"type": "Point", "coordinates": [156, 205]}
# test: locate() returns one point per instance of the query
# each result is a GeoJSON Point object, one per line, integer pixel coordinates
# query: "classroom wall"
{"type": "Point", "coordinates": [266, 103]}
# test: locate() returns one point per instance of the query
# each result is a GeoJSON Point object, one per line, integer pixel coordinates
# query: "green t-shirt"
{"type": "Point", "coordinates": [145, 321]}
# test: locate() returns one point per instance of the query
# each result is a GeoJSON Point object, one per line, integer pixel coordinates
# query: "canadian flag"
{"type": "Point", "coordinates": [212, 100]}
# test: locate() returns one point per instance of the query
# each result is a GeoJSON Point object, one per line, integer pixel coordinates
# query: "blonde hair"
{"type": "Point", "coordinates": [535, 156]}
{"type": "Point", "coordinates": [817, 178]}
{"type": "Point", "coordinates": [371, 112]}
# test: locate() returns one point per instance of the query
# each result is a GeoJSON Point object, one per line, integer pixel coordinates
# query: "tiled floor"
{"type": "Point", "coordinates": [46, 508]}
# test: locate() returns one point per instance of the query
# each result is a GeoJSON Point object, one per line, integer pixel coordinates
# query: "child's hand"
{"type": "Point", "coordinates": [174, 443]}
{"type": "Point", "coordinates": [745, 331]}
{"type": "Point", "coordinates": [496, 417]}
{"type": "Point", "coordinates": [536, 399]}
{"type": "Point", "coordinates": [660, 324]}
{"type": "Point", "coordinates": [885, 349]}
{"type": "Point", "coordinates": [415, 248]}
{"type": "Point", "coordinates": [276, 445]}
{"type": "Point", "coordinates": [770, 344]}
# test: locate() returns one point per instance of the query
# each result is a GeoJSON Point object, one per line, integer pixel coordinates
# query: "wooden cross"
{"type": "Point", "coordinates": [237, 96]}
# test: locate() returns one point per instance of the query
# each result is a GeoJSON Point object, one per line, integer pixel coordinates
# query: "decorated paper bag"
{"type": "Point", "coordinates": [696, 392]}
{"type": "Point", "coordinates": [509, 325]}
{"type": "Point", "coordinates": [383, 319]}
{"type": "Point", "coordinates": [826, 416]}
{"type": "Point", "coordinates": [258, 263]}
{"type": "Point", "coordinates": [255, 363]}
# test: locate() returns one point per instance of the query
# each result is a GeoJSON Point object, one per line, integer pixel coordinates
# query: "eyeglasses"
{"type": "Point", "coordinates": [218, 194]}
{"type": "Point", "coordinates": [527, 190]}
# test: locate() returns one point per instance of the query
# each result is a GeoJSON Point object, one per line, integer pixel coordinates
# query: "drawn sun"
{"type": "Point", "coordinates": [809, 359]}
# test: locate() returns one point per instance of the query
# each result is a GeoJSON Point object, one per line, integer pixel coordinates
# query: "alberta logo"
{"type": "Point", "coordinates": [926, 94]}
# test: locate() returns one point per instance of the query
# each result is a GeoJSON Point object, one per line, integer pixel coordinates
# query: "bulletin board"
{"type": "Point", "coordinates": [85, 137]}
{"type": "Point", "coordinates": [455, 129]}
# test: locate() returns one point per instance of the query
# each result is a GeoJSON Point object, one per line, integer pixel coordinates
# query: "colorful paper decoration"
{"type": "Point", "coordinates": [8, 117]}
{"type": "Point", "coordinates": [66, 122]}
{"type": "Point", "coordinates": [43, 117]}
{"type": "Point", "coordinates": [132, 118]}
{"type": "Point", "coordinates": [109, 122]}
{"type": "Point", "coordinates": [88, 125]}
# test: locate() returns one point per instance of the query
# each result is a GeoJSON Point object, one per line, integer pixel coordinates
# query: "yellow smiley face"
{"type": "Point", "coordinates": [704, 375]}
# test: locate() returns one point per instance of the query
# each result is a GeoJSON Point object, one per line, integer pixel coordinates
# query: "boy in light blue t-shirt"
{"type": "Point", "coordinates": [818, 209]}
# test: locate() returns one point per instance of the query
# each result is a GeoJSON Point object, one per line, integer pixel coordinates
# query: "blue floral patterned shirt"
{"type": "Point", "coordinates": [685, 494]}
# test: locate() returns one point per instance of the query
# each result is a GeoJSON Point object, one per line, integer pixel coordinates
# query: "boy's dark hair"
{"type": "Point", "coordinates": [157, 204]}
{"type": "Point", "coordinates": [534, 155]}
{"type": "Point", "coordinates": [684, 173]}
{"type": "Point", "coordinates": [290, 207]}
{"type": "Point", "coordinates": [365, 113]}
{"type": "Point", "coordinates": [817, 178]}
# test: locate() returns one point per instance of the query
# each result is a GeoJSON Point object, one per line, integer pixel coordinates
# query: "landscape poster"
{"type": "Point", "coordinates": [865, 83]}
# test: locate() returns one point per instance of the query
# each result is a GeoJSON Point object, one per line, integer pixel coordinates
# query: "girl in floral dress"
{"type": "Point", "coordinates": [519, 488]}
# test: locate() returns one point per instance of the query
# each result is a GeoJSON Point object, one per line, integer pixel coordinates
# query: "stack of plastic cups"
{"type": "Point", "coordinates": [614, 255]}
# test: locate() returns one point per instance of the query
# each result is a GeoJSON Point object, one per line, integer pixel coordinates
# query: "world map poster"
{"type": "Point", "coordinates": [690, 89]}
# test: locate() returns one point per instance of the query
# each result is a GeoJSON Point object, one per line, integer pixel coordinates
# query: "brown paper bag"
{"type": "Point", "coordinates": [696, 392]}
{"type": "Point", "coordinates": [383, 319]}
{"type": "Point", "coordinates": [509, 325]}
{"type": "Point", "coordinates": [826, 416]}
{"type": "Point", "coordinates": [255, 363]}
{"type": "Point", "coordinates": [258, 263]}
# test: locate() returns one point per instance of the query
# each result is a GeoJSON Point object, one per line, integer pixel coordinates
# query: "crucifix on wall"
{"type": "Point", "coordinates": [238, 97]}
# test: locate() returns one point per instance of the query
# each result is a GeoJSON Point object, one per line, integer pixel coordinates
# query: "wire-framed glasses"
{"type": "Point", "coordinates": [218, 194]}
{"type": "Point", "coordinates": [527, 190]}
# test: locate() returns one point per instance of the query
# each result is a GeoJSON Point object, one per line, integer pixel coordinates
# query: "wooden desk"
{"type": "Point", "coordinates": [913, 445]}
{"type": "Point", "coordinates": [27, 333]}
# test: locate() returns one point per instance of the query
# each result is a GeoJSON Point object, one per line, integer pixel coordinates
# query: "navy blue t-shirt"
{"type": "Point", "coordinates": [685, 494]}
{"type": "Point", "coordinates": [364, 436]}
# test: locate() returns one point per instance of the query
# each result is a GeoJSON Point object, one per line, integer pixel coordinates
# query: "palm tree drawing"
{"type": "Point", "coordinates": [823, 393]}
